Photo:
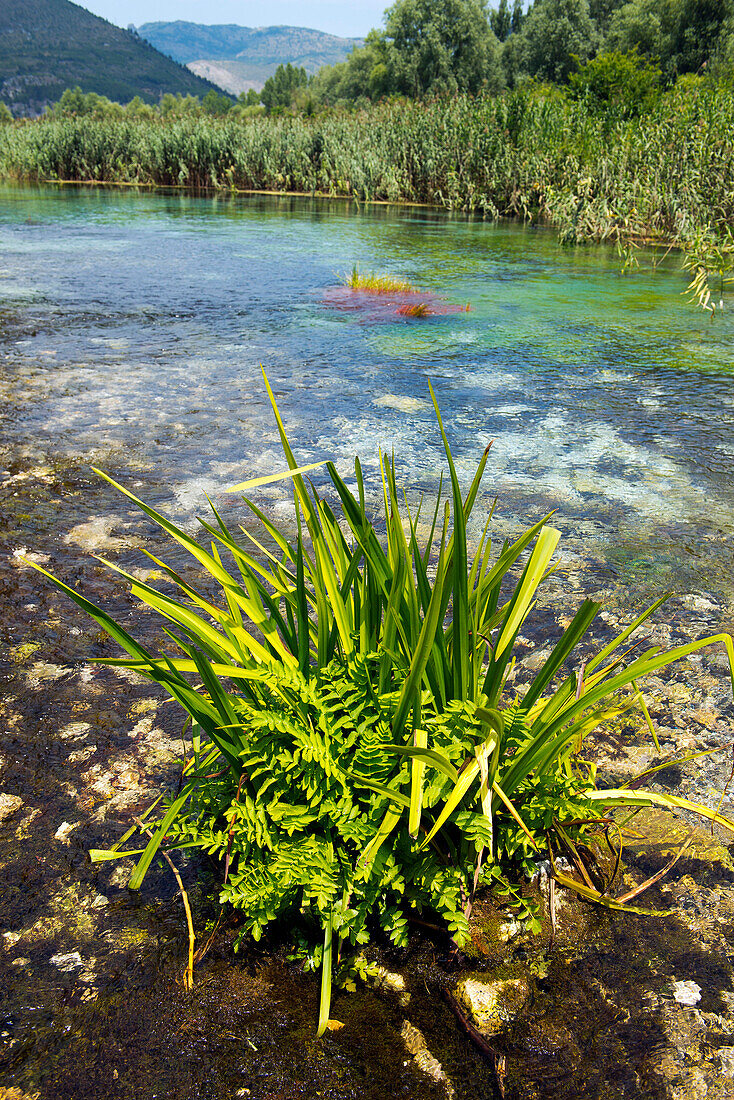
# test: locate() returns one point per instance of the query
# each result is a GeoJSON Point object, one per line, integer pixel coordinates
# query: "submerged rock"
{"type": "Point", "coordinates": [494, 1004]}
{"type": "Point", "coordinates": [416, 1045]}
{"type": "Point", "coordinates": [687, 993]}
{"type": "Point", "coordinates": [9, 805]}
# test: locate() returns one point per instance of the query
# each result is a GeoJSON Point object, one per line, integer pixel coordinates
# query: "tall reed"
{"type": "Point", "coordinates": [532, 154]}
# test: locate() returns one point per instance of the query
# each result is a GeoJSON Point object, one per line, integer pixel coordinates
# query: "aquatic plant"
{"type": "Point", "coordinates": [414, 309]}
{"type": "Point", "coordinates": [357, 755]}
{"type": "Point", "coordinates": [377, 284]}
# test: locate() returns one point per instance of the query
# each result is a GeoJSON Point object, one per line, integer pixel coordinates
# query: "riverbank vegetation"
{"type": "Point", "coordinates": [608, 121]}
{"type": "Point", "coordinates": [359, 755]}
{"type": "Point", "coordinates": [534, 153]}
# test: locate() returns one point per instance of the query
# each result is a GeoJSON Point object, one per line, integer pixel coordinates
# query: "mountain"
{"type": "Point", "coordinates": [237, 57]}
{"type": "Point", "coordinates": [47, 46]}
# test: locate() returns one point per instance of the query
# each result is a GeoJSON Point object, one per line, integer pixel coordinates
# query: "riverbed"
{"type": "Point", "coordinates": [133, 329]}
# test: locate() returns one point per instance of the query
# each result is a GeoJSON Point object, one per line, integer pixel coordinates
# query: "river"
{"type": "Point", "coordinates": [133, 327]}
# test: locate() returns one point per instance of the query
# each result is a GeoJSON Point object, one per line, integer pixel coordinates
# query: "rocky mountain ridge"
{"type": "Point", "coordinates": [238, 58]}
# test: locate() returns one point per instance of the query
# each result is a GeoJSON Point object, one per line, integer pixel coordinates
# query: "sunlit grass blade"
{"type": "Point", "coordinates": [390, 820]}
{"type": "Point", "coordinates": [325, 999]}
{"type": "Point", "coordinates": [461, 787]}
{"type": "Point", "coordinates": [417, 769]}
{"type": "Point", "coordinates": [270, 479]}
{"type": "Point", "coordinates": [429, 756]}
{"type": "Point", "coordinates": [623, 797]}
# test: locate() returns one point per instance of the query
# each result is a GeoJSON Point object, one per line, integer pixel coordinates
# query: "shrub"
{"type": "Point", "coordinates": [624, 83]}
{"type": "Point", "coordinates": [355, 754]}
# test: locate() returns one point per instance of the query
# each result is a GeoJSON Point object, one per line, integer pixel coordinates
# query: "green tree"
{"type": "Point", "coordinates": [625, 83]}
{"type": "Point", "coordinates": [601, 12]}
{"type": "Point", "coordinates": [279, 88]}
{"type": "Point", "coordinates": [556, 33]}
{"type": "Point", "coordinates": [642, 25]}
{"type": "Point", "coordinates": [501, 21]}
{"type": "Point", "coordinates": [518, 17]}
{"type": "Point", "coordinates": [696, 32]}
{"type": "Point", "coordinates": [215, 104]}
{"type": "Point", "coordinates": [5, 114]}
{"type": "Point", "coordinates": [363, 76]}
{"type": "Point", "coordinates": [136, 108]}
{"type": "Point", "coordinates": [686, 35]}
{"type": "Point", "coordinates": [441, 46]}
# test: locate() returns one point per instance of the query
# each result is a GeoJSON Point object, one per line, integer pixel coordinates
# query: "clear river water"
{"type": "Point", "coordinates": [133, 326]}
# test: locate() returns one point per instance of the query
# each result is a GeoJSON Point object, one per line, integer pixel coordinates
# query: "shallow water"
{"type": "Point", "coordinates": [134, 326]}
{"type": "Point", "coordinates": [132, 329]}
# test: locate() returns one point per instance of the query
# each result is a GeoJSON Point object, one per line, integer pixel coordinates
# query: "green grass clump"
{"type": "Point", "coordinates": [377, 284]}
{"type": "Point", "coordinates": [357, 755]}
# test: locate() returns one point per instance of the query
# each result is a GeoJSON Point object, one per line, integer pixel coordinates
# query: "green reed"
{"type": "Point", "coordinates": [532, 154]}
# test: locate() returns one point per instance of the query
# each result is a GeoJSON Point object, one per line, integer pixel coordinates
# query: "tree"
{"type": "Point", "coordinates": [279, 88]}
{"type": "Point", "coordinates": [5, 114]}
{"type": "Point", "coordinates": [501, 21]}
{"type": "Point", "coordinates": [623, 82]}
{"type": "Point", "coordinates": [696, 32]}
{"type": "Point", "coordinates": [518, 17]}
{"type": "Point", "coordinates": [440, 46]}
{"type": "Point", "coordinates": [684, 34]}
{"type": "Point", "coordinates": [601, 12]}
{"type": "Point", "coordinates": [556, 33]}
{"type": "Point", "coordinates": [215, 104]}
{"type": "Point", "coordinates": [642, 25]}
{"type": "Point", "coordinates": [364, 75]}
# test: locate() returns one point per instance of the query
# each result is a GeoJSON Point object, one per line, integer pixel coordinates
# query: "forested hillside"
{"type": "Point", "coordinates": [47, 46]}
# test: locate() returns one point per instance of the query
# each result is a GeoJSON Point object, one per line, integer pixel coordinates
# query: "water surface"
{"type": "Point", "coordinates": [132, 329]}
{"type": "Point", "coordinates": [134, 326]}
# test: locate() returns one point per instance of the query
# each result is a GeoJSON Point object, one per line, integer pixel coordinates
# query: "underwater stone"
{"type": "Point", "coordinates": [393, 982]}
{"type": "Point", "coordinates": [416, 1045]}
{"type": "Point", "coordinates": [687, 993]}
{"type": "Point", "coordinates": [67, 963]}
{"type": "Point", "coordinates": [9, 805]}
{"type": "Point", "coordinates": [494, 1005]}
{"type": "Point", "coordinates": [65, 830]}
{"type": "Point", "coordinates": [727, 1061]}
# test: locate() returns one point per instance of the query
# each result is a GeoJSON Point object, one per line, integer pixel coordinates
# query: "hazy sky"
{"type": "Point", "coordinates": [352, 19]}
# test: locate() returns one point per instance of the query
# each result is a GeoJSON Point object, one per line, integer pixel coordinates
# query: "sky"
{"type": "Point", "coordinates": [352, 19]}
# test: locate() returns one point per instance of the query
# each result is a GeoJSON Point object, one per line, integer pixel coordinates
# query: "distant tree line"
{"type": "Point", "coordinates": [618, 53]}
{"type": "Point", "coordinates": [609, 51]}
{"type": "Point", "coordinates": [437, 46]}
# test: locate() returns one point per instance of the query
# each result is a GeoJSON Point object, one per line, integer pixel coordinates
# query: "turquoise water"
{"type": "Point", "coordinates": [133, 326]}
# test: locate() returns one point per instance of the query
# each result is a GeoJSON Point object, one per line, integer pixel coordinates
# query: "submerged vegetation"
{"type": "Point", "coordinates": [357, 754]}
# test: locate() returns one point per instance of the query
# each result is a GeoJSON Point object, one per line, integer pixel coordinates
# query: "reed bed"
{"type": "Point", "coordinates": [531, 154]}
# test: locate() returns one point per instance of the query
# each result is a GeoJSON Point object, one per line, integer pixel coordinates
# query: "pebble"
{"type": "Point", "coordinates": [67, 963]}
{"type": "Point", "coordinates": [65, 830]}
{"type": "Point", "coordinates": [416, 1045]}
{"type": "Point", "coordinates": [687, 993]}
{"type": "Point", "coordinates": [494, 1004]}
{"type": "Point", "coordinates": [9, 805]}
